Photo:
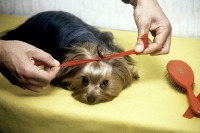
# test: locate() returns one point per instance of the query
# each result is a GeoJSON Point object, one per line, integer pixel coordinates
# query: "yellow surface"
{"type": "Point", "coordinates": [148, 105]}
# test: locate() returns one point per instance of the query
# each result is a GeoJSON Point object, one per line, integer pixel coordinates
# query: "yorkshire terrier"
{"type": "Point", "coordinates": [68, 38]}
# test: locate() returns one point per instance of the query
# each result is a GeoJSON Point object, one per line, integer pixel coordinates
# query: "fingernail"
{"type": "Point", "coordinates": [139, 48]}
{"type": "Point", "coordinates": [57, 63]}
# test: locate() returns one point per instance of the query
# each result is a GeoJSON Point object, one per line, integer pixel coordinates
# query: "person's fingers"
{"type": "Point", "coordinates": [31, 87]}
{"type": "Point", "coordinates": [50, 72]}
{"type": "Point", "coordinates": [44, 77]}
{"type": "Point", "coordinates": [143, 29]}
{"type": "Point", "coordinates": [34, 88]}
{"type": "Point", "coordinates": [165, 49]}
{"type": "Point", "coordinates": [37, 77]}
{"type": "Point", "coordinates": [150, 47]}
{"type": "Point", "coordinates": [139, 47]}
{"type": "Point", "coordinates": [40, 55]}
{"type": "Point", "coordinates": [158, 49]}
{"type": "Point", "coordinates": [162, 39]}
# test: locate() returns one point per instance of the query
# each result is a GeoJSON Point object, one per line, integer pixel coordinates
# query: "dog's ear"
{"type": "Point", "coordinates": [125, 69]}
{"type": "Point", "coordinates": [101, 51]}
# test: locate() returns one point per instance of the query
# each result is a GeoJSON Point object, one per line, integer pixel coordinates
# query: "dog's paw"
{"type": "Point", "coordinates": [135, 74]}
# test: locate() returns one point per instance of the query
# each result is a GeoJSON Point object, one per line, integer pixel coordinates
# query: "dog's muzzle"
{"type": "Point", "coordinates": [91, 99]}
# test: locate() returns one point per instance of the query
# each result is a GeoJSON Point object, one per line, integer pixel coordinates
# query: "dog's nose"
{"type": "Point", "coordinates": [91, 99]}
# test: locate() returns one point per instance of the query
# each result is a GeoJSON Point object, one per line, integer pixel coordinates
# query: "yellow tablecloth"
{"type": "Point", "coordinates": [148, 105]}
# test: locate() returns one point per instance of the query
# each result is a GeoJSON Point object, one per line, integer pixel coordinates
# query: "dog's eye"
{"type": "Point", "coordinates": [85, 81]}
{"type": "Point", "coordinates": [104, 83]}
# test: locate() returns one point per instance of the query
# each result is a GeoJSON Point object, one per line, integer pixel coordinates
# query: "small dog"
{"type": "Point", "coordinates": [68, 38]}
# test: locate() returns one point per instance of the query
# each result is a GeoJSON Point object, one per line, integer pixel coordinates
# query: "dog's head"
{"type": "Point", "coordinates": [97, 81]}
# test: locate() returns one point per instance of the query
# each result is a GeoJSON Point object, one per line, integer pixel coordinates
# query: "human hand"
{"type": "Point", "coordinates": [149, 16]}
{"type": "Point", "coordinates": [18, 59]}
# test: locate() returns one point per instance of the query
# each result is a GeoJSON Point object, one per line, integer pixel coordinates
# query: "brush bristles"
{"type": "Point", "coordinates": [174, 84]}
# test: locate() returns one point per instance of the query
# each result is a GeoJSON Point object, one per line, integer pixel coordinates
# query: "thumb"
{"type": "Point", "coordinates": [139, 47]}
{"type": "Point", "coordinates": [43, 58]}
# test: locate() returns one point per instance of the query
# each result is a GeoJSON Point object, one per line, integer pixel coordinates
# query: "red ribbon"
{"type": "Point", "coordinates": [189, 113]}
{"type": "Point", "coordinates": [125, 53]}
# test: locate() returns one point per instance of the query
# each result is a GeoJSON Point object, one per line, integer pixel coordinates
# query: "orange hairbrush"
{"type": "Point", "coordinates": [181, 76]}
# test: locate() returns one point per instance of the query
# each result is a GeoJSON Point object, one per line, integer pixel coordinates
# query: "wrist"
{"type": "Point", "coordinates": [132, 2]}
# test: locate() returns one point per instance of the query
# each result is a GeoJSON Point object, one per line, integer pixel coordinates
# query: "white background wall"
{"type": "Point", "coordinates": [183, 14]}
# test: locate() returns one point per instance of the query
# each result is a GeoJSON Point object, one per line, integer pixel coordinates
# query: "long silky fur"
{"type": "Point", "coordinates": [67, 38]}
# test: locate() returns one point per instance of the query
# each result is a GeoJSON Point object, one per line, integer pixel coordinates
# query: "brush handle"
{"type": "Point", "coordinates": [194, 103]}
